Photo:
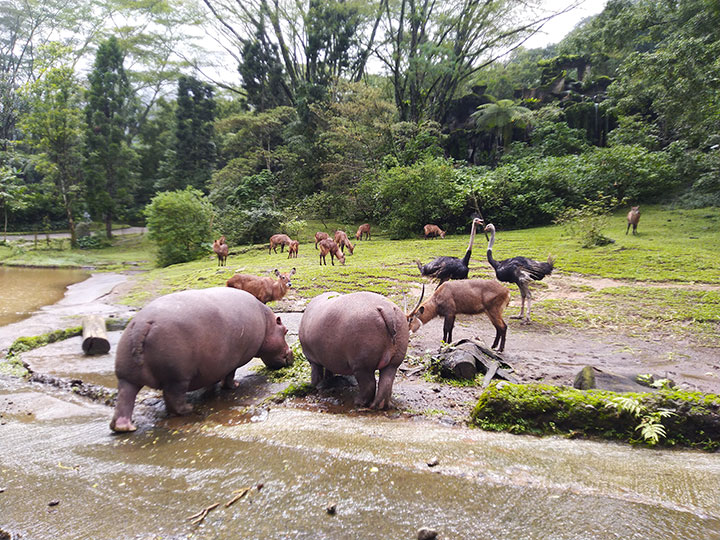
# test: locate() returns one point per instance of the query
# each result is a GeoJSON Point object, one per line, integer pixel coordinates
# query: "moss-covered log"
{"type": "Point", "coordinates": [543, 409]}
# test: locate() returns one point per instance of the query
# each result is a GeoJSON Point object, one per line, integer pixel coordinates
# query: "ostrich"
{"type": "Point", "coordinates": [444, 268]}
{"type": "Point", "coordinates": [518, 270]}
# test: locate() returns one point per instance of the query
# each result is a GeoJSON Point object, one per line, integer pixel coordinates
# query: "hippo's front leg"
{"type": "Point", "coordinates": [317, 374]}
{"type": "Point", "coordinates": [174, 396]}
{"type": "Point", "coordinates": [229, 381]}
{"type": "Point", "coordinates": [366, 387]}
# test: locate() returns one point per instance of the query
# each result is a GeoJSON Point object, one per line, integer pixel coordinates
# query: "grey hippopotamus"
{"type": "Point", "coordinates": [193, 339]}
{"type": "Point", "coordinates": [355, 334]}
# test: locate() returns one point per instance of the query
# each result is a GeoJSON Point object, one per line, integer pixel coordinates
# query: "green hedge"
{"type": "Point", "coordinates": [543, 409]}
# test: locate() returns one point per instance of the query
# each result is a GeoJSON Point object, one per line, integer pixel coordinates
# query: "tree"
{"type": "Point", "coordinates": [501, 118]}
{"type": "Point", "coordinates": [179, 223]}
{"type": "Point", "coordinates": [432, 48]}
{"type": "Point", "coordinates": [194, 134]}
{"type": "Point", "coordinates": [109, 115]}
{"type": "Point", "coordinates": [53, 126]}
{"type": "Point", "coordinates": [12, 194]}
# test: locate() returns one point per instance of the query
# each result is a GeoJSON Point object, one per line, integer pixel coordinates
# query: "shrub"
{"type": "Point", "coordinates": [179, 223]}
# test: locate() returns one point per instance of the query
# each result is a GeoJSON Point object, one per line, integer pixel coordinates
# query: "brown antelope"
{"type": "Point", "coordinates": [264, 289]}
{"type": "Point", "coordinates": [221, 249]}
{"type": "Point", "coordinates": [470, 297]}
{"type": "Point", "coordinates": [329, 246]}
{"type": "Point", "coordinates": [293, 249]}
{"type": "Point", "coordinates": [363, 229]}
{"type": "Point", "coordinates": [632, 218]}
{"type": "Point", "coordinates": [320, 236]}
{"type": "Point", "coordinates": [431, 231]}
{"type": "Point", "coordinates": [342, 240]}
{"type": "Point", "coordinates": [281, 240]}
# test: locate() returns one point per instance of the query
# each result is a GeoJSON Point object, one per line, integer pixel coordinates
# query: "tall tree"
{"type": "Point", "coordinates": [109, 115]}
{"type": "Point", "coordinates": [433, 47]}
{"type": "Point", "coordinates": [501, 118]}
{"type": "Point", "coordinates": [194, 149]}
{"type": "Point", "coordinates": [53, 126]}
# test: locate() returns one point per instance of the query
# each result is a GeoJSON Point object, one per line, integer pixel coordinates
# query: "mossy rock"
{"type": "Point", "coordinates": [544, 409]}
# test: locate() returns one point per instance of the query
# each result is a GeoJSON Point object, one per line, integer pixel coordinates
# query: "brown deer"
{"type": "Point", "coordinates": [293, 249]}
{"type": "Point", "coordinates": [281, 240]}
{"type": "Point", "coordinates": [632, 218]}
{"type": "Point", "coordinates": [342, 240]}
{"type": "Point", "coordinates": [329, 246]}
{"type": "Point", "coordinates": [320, 236]}
{"type": "Point", "coordinates": [264, 289]}
{"type": "Point", "coordinates": [470, 297]}
{"type": "Point", "coordinates": [431, 231]}
{"type": "Point", "coordinates": [221, 249]}
{"type": "Point", "coordinates": [363, 229]}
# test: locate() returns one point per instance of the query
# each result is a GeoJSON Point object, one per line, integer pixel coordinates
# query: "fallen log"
{"type": "Point", "coordinates": [95, 340]}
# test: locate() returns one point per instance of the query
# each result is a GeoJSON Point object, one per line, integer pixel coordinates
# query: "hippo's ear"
{"type": "Point", "coordinates": [278, 321]}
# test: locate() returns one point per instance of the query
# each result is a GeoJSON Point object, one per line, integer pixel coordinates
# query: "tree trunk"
{"type": "Point", "coordinates": [459, 364]}
{"type": "Point", "coordinates": [95, 340]}
{"type": "Point", "coordinates": [108, 225]}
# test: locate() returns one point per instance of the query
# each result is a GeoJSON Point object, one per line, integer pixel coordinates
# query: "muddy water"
{"type": "Point", "coordinates": [24, 290]}
{"type": "Point", "coordinates": [57, 448]}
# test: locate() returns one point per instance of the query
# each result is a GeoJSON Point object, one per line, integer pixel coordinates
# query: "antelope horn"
{"type": "Point", "coordinates": [418, 303]}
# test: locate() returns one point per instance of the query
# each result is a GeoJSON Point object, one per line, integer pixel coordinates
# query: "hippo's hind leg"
{"type": "Point", "coordinates": [122, 419]}
{"type": "Point", "coordinates": [229, 381]}
{"type": "Point", "coordinates": [384, 391]}
{"type": "Point", "coordinates": [174, 396]}
{"type": "Point", "coordinates": [366, 387]}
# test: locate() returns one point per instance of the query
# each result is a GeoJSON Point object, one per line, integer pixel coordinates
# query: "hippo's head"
{"type": "Point", "coordinates": [275, 352]}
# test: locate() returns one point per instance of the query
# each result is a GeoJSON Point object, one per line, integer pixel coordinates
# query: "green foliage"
{"type": "Point", "coordinates": [501, 118]}
{"type": "Point", "coordinates": [109, 115]}
{"type": "Point", "coordinates": [690, 418]}
{"type": "Point", "coordinates": [408, 197]}
{"type": "Point", "coordinates": [92, 242]}
{"type": "Point", "coordinates": [588, 223]}
{"type": "Point", "coordinates": [14, 366]}
{"type": "Point", "coordinates": [179, 223]}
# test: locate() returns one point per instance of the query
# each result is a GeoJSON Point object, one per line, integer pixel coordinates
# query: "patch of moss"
{"type": "Point", "coordinates": [14, 366]}
{"type": "Point", "coordinates": [543, 409]}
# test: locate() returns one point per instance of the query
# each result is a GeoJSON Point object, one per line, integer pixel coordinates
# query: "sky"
{"type": "Point", "coordinates": [560, 26]}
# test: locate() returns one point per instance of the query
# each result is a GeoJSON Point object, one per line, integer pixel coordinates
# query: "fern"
{"type": "Point", "coordinates": [650, 427]}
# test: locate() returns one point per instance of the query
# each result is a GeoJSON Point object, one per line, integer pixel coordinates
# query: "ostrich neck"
{"type": "Point", "coordinates": [472, 236]}
{"type": "Point", "coordinates": [490, 259]}
{"type": "Point", "coordinates": [492, 240]}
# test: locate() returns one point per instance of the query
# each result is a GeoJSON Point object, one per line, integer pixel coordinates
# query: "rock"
{"type": "Point", "coordinates": [433, 462]}
{"type": "Point", "coordinates": [427, 534]}
{"type": "Point", "coordinates": [53, 503]}
{"type": "Point", "coordinates": [591, 377]}
{"type": "Point", "coordinates": [331, 509]}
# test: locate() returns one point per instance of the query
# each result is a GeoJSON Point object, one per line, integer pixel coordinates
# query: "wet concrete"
{"type": "Point", "coordinates": [56, 448]}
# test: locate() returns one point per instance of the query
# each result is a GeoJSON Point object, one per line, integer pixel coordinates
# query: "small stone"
{"type": "Point", "coordinates": [427, 534]}
{"type": "Point", "coordinates": [53, 503]}
{"type": "Point", "coordinates": [436, 389]}
{"type": "Point", "coordinates": [331, 509]}
{"type": "Point", "coordinates": [433, 462]}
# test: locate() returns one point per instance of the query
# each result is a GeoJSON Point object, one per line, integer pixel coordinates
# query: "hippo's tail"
{"type": "Point", "coordinates": [138, 343]}
{"type": "Point", "coordinates": [389, 320]}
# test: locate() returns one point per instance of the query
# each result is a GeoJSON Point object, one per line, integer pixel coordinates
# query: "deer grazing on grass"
{"type": "Point", "coordinates": [363, 229]}
{"type": "Point", "coordinates": [431, 231]}
{"type": "Point", "coordinates": [342, 240]}
{"type": "Point", "coordinates": [633, 218]}
{"type": "Point", "coordinates": [470, 297]}
{"type": "Point", "coordinates": [329, 246]}
{"type": "Point", "coordinates": [293, 249]}
{"type": "Point", "coordinates": [221, 249]}
{"type": "Point", "coordinates": [264, 289]}
{"type": "Point", "coordinates": [320, 236]}
{"type": "Point", "coordinates": [281, 240]}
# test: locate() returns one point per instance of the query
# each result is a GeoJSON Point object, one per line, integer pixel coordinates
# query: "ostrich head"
{"type": "Point", "coordinates": [490, 228]}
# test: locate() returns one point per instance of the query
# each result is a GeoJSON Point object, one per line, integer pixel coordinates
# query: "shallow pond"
{"type": "Point", "coordinates": [24, 290]}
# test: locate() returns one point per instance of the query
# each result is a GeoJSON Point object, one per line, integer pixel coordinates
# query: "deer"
{"type": "Point", "coordinates": [265, 289]}
{"type": "Point", "coordinates": [632, 218]}
{"type": "Point", "coordinates": [220, 248]}
{"type": "Point", "coordinates": [281, 240]}
{"type": "Point", "coordinates": [293, 249]}
{"type": "Point", "coordinates": [320, 236]}
{"type": "Point", "coordinates": [469, 297]}
{"type": "Point", "coordinates": [342, 240]}
{"type": "Point", "coordinates": [329, 246]}
{"type": "Point", "coordinates": [431, 231]}
{"type": "Point", "coordinates": [363, 229]}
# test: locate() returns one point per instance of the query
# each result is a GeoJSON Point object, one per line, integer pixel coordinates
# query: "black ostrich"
{"type": "Point", "coordinates": [444, 268]}
{"type": "Point", "coordinates": [518, 270]}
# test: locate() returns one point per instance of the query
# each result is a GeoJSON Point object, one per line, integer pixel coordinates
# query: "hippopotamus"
{"type": "Point", "coordinates": [355, 334]}
{"type": "Point", "coordinates": [193, 339]}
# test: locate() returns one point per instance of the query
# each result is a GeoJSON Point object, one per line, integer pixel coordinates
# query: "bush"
{"type": "Point", "coordinates": [587, 223]}
{"type": "Point", "coordinates": [409, 197]}
{"type": "Point", "coordinates": [179, 223]}
{"type": "Point", "coordinates": [251, 226]}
